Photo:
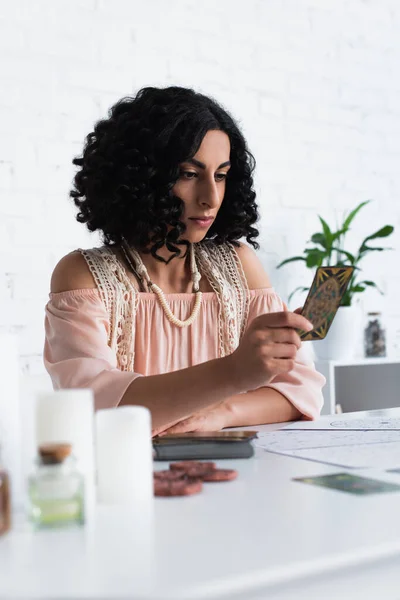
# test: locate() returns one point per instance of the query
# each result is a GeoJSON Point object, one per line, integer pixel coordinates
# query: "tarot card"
{"type": "Point", "coordinates": [323, 300]}
{"type": "Point", "coordinates": [353, 484]}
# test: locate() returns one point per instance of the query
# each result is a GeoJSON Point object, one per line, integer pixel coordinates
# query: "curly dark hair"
{"type": "Point", "coordinates": [130, 164]}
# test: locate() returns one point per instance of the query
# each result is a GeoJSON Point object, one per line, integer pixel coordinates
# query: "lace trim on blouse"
{"type": "Point", "coordinates": [222, 267]}
{"type": "Point", "coordinates": [120, 298]}
{"type": "Point", "coordinates": [220, 264]}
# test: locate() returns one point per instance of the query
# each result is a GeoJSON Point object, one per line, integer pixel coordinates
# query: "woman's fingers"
{"type": "Point", "coordinates": [181, 427]}
{"type": "Point", "coordinates": [285, 336]}
{"type": "Point", "coordinates": [282, 319]}
{"type": "Point", "coordinates": [284, 351]}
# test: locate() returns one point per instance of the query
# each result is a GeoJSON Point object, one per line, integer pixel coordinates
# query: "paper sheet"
{"type": "Point", "coordinates": [282, 440]}
{"type": "Point", "coordinates": [382, 456]}
{"type": "Point", "coordinates": [352, 449]}
{"type": "Point", "coordinates": [336, 423]}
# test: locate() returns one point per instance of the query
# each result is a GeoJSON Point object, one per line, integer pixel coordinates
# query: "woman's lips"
{"type": "Point", "coordinates": [202, 222]}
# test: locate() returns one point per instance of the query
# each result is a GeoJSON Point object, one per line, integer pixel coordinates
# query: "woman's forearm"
{"type": "Point", "coordinates": [173, 396]}
{"type": "Point", "coordinates": [258, 407]}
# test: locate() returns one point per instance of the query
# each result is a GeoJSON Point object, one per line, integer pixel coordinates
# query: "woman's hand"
{"type": "Point", "coordinates": [268, 348]}
{"type": "Point", "coordinates": [213, 418]}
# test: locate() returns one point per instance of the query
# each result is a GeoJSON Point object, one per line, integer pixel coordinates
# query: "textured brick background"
{"type": "Point", "coordinates": [314, 83]}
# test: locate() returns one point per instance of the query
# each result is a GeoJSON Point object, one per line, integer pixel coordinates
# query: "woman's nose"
{"type": "Point", "coordinates": [209, 194]}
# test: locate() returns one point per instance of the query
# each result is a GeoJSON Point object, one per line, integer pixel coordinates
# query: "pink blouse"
{"type": "Point", "coordinates": [77, 354]}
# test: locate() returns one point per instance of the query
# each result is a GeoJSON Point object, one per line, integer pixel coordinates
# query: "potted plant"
{"type": "Point", "coordinates": [328, 249]}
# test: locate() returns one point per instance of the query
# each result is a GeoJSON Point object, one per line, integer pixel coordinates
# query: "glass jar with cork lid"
{"type": "Point", "coordinates": [56, 489]}
{"type": "Point", "coordinates": [374, 336]}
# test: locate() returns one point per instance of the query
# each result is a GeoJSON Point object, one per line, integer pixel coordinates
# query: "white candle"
{"type": "Point", "coordinates": [67, 416]}
{"type": "Point", "coordinates": [124, 456]}
{"type": "Point", "coordinates": [10, 424]}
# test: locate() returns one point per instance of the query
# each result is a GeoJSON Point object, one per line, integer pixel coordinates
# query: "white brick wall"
{"type": "Point", "coordinates": [314, 83]}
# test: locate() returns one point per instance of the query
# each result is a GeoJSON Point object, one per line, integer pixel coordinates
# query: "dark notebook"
{"type": "Point", "coordinates": [204, 445]}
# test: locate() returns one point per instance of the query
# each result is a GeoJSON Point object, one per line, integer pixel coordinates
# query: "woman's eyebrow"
{"type": "Point", "coordinates": [197, 163]}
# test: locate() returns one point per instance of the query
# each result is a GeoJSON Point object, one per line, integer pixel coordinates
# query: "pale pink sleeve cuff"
{"type": "Point", "coordinates": [303, 385]}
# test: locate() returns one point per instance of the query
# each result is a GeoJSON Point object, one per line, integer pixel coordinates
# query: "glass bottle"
{"type": "Point", "coordinates": [374, 336]}
{"type": "Point", "coordinates": [56, 489]}
{"type": "Point", "coordinates": [5, 501]}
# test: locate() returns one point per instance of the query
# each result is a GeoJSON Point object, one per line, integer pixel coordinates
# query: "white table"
{"type": "Point", "coordinates": [261, 536]}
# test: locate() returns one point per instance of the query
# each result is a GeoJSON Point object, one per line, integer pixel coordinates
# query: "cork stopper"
{"type": "Point", "coordinates": [53, 454]}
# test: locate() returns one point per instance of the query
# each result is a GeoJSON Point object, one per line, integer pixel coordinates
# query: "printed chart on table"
{"type": "Point", "coordinates": [377, 423]}
{"type": "Point", "coordinates": [347, 448]}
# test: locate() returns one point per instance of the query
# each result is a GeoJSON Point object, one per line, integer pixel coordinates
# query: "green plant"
{"type": "Point", "coordinates": [329, 244]}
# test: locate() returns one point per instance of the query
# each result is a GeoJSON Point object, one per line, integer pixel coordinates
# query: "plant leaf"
{"type": "Point", "coordinates": [357, 288]}
{"type": "Point", "coordinates": [381, 233]}
{"type": "Point", "coordinates": [309, 251]}
{"type": "Point", "coordinates": [365, 249]}
{"type": "Point", "coordinates": [319, 238]}
{"type": "Point", "coordinates": [348, 220]}
{"type": "Point", "coordinates": [371, 284]}
{"type": "Point", "coordinates": [327, 232]}
{"type": "Point", "coordinates": [315, 258]}
{"type": "Point", "coordinates": [298, 289]}
{"type": "Point", "coordinates": [350, 257]}
{"type": "Point", "coordinates": [289, 260]}
{"type": "Point", "coordinates": [338, 234]}
{"type": "Point", "coordinates": [346, 300]}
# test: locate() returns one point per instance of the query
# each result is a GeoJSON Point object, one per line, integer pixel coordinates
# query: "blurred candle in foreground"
{"type": "Point", "coordinates": [67, 416]}
{"type": "Point", "coordinates": [124, 456]}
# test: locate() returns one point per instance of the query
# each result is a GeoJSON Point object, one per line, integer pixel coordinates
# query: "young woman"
{"type": "Point", "coordinates": [173, 312]}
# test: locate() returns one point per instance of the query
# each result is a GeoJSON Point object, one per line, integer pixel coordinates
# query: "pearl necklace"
{"type": "Point", "coordinates": [143, 273]}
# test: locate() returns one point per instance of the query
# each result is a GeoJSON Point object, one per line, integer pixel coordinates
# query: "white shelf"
{"type": "Point", "coordinates": [355, 387]}
{"type": "Point", "coordinates": [361, 361]}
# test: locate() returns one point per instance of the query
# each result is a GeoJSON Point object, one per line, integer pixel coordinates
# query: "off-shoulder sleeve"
{"type": "Point", "coordinates": [76, 352]}
{"type": "Point", "coordinates": [303, 385]}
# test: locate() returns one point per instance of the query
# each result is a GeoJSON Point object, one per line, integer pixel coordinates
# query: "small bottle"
{"type": "Point", "coordinates": [374, 336]}
{"type": "Point", "coordinates": [5, 501]}
{"type": "Point", "coordinates": [56, 489]}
